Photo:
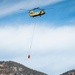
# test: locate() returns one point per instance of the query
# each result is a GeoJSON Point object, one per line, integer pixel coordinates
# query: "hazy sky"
{"type": "Point", "coordinates": [53, 45]}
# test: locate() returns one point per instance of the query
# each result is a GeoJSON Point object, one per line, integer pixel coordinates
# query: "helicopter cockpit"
{"type": "Point", "coordinates": [31, 12]}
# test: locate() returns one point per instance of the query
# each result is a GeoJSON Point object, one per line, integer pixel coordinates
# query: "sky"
{"type": "Point", "coordinates": [53, 44]}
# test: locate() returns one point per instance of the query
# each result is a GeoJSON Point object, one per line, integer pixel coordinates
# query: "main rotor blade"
{"type": "Point", "coordinates": [22, 9]}
{"type": "Point", "coordinates": [35, 8]}
{"type": "Point", "coordinates": [48, 8]}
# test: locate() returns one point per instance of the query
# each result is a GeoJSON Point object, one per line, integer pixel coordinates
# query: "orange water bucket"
{"type": "Point", "coordinates": [28, 56]}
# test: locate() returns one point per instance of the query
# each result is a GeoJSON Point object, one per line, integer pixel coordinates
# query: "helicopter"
{"type": "Point", "coordinates": [34, 13]}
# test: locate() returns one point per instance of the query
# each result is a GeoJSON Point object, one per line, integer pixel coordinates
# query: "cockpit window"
{"type": "Point", "coordinates": [31, 12]}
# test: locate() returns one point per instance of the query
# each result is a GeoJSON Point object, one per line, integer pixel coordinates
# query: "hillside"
{"type": "Point", "coordinates": [13, 68]}
{"type": "Point", "coordinates": [71, 72]}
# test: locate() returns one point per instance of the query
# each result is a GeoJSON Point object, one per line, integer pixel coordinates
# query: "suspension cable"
{"type": "Point", "coordinates": [31, 40]}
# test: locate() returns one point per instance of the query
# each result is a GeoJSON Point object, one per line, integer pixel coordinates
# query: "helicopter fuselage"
{"type": "Point", "coordinates": [34, 14]}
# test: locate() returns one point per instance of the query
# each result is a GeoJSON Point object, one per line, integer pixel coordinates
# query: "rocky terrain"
{"type": "Point", "coordinates": [13, 68]}
{"type": "Point", "coordinates": [71, 72]}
